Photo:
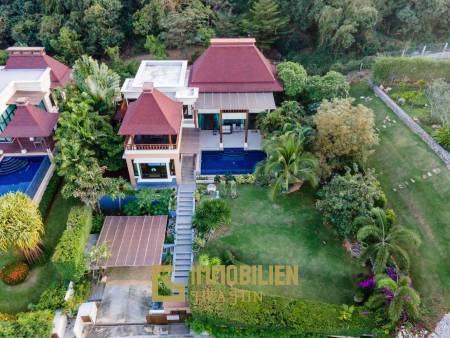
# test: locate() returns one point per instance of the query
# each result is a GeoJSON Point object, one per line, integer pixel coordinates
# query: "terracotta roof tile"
{"type": "Point", "coordinates": [153, 113]}
{"type": "Point", "coordinates": [233, 65]}
{"type": "Point", "coordinates": [30, 121]}
{"type": "Point", "coordinates": [60, 73]}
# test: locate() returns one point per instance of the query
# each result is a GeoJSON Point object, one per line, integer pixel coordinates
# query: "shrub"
{"type": "Point", "coordinates": [291, 316]}
{"type": "Point", "coordinates": [443, 137]}
{"type": "Point", "coordinates": [68, 257]}
{"type": "Point", "coordinates": [331, 85]}
{"type": "Point", "coordinates": [52, 298]}
{"type": "Point", "coordinates": [14, 273]}
{"type": "Point", "coordinates": [393, 69]}
{"type": "Point", "coordinates": [28, 324]}
{"type": "Point", "coordinates": [49, 195]}
{"type": "Point", "coordinates": [294, 78]}
{"type": "Point", "coordinates": [347, 197]}
{"type": "Point", "coordinates": [150, 202]}
{"type": "Point", "coordinates": [97, 222]}
{"type": "Point", "coordinates": [210, 214]}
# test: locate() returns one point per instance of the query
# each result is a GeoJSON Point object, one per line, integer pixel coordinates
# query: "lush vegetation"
{"type": "Point", "coordinates": [42, 273]}
{"type": "Point", "coordinates": [68, 258]}
{"type": "Point", "coordinates": [28, 324]}
{"type": "Point", "coordinates": [420, 201]}
{"type": "Point", "coordinates": [290, 316]}
{"type": "Point", "coordinates": [14, 273]}
{"type": "Point", "coordinates": [49, 195]}
{"type": "Point", "coordinates": [21, 226]}
{"type": "Point", "coordinates": [210, 214]}
{"type": "Point", "coordinates": [389, 69]}
{"type": "Point", "coordinates": [289, 28]}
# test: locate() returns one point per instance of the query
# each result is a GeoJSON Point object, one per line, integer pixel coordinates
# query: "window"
{"type": "Point", "coordinates": [135, 169]}
{"type": "Point", "coordinates": [151, 139]}
{"type": "Point", "coordinates": [41, 105]}
{"type": "Point", "coordinates": [5, 118]}
{"type": "Point", "coordinates": [172, 167]}
{"type": "Point", "coordinates": [153, 170]}
{"type": "Point", "coordinates": [187, 114]}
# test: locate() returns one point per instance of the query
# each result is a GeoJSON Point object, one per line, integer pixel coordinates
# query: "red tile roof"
{"type": "Point", "coordinates": [134, 240]}
{"type": "Point", "coordinates": [35, 58]}
{"type": "Point", "coordinates": [233, 65]}
{"type": "Point", "coordinates": [153, 113]}
{"type": "Point", "coordinates": [30, 121]}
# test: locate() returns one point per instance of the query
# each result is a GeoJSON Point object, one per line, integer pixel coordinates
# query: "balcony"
{"type": "Point", "coordinates": [130, 144]}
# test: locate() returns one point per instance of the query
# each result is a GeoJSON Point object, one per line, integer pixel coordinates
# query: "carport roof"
{"type": "Point", "coordinates": [134, 240]}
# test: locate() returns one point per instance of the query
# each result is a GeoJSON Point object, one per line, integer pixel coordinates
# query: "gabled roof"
{"type": "Point", "coordinates": [35, 58]}
{"type": "Point", "coordinates": [233, 65]}
{"type": "Point", "coordinates": [153, 113]}
{"type": "Point", "coordinates": [30, 121]}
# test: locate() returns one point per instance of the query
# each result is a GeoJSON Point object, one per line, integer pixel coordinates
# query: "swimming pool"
{"type": "Point", "coordinates": [22, 173]}
{"type": "Point", "coordinates": [233, 161]}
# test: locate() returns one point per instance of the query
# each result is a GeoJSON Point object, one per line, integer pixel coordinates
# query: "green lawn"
{"type": "Point", "coordinates": [423, 206]}
{"type": "Point", "coordinates": [289, 231]}
{"type": "Point", "coordinates": [16, 298]}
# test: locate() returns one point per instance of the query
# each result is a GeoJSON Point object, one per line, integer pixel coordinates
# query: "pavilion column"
{"type": "Point", "coordinates": [195, 118]}
{"type": "Point", "coordinates": [220, 130]}
{"type": "Point", "coordinates": [246, 130]}
{"type": "Point", "coordinates": [170, 142]}
{"type": "Point", "coordinates": [20, 144]}
{"type": "Point", "coordinates": [131, 171]}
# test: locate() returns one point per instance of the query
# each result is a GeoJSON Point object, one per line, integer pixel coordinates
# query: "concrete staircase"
{"type": "Point", "coordinates": [187, 169]}
{"type": "Point", "coordinates": [183, 256]}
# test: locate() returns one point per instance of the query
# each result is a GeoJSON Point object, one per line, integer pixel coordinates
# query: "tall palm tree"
{"type": "Point", "coordinates": [384, 243]}
{"type": "Point", "coordinates": [401, 299]}
{"type": "Point", "coordinates": [288, 164]}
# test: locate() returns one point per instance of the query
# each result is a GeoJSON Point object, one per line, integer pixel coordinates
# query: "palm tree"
{"type": "Point", "coordinates": [288, 164]}
{"type": "Point", "coordinates": [21, 225]}
{"type": "Point", "coordinates": [386, 243]}
{"type": "Point", "coordinates": [401, 299]}
{"type": "Point", "coordinates": [100, 82]}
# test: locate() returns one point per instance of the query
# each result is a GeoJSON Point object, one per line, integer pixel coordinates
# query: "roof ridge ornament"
{"type": "Point", "coordinates": [147, 87]}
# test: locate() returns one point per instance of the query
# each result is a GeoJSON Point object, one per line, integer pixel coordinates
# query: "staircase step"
{"type": "Point", "coordinates": [183, 248]}
{"type": "Point", "coordinates": [179, 261]}
{"type": "Point", "coordinates": [181, 274]}
{"type": "Point", "coordinates": [183, 242]}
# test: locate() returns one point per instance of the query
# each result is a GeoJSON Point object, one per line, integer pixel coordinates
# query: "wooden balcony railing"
{"type": "Point", "coordinates": [150, 146]}
{"type": "Point", "coordinates": [130, 145]}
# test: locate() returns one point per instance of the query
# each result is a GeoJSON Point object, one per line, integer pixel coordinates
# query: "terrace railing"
{"type": "Point", "coordinates": [38, 177]}
{"type": "Point", "coordinates": [130, 145]}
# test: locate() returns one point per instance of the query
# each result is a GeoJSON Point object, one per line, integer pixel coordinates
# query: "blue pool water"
{"type": "Point", "coordinates": [22, 179]}
{"type": "Point", "coordinates": [230, 161]}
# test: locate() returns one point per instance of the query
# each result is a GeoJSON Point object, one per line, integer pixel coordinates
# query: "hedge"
{"type": "Point", "coordinates": [49, 195]}
{"type": "Point", "coordinates": [68, 257]}
{"type": "Point", "coordinates": [392, 69]}
{"type": "Point", "coordinates": [28, 324]}
{"type": "Point", "coordinates": [274, 314]}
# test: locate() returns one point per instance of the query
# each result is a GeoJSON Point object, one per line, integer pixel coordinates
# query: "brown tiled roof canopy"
{"type": "Point", "coordinates": [35, 58]}
{"type": "Point", "coordinates": [30, 121]}
{"type": "Point", "coordinates": [134, 240]}
{"type": "Point", "coordinates": [153, 113]}
{"type": "Point", "coordinates": [233, 65]}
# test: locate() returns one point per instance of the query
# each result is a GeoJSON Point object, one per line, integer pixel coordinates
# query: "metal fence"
{"type": "Point", "coordinates": [433, 50]}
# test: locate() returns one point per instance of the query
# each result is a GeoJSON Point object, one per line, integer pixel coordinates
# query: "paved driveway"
{"type": "Point", "coordinates": [126, 296]}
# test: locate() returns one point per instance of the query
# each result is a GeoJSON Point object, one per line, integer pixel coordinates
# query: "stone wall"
{"type": "Point", "coordinates": [443, 154]}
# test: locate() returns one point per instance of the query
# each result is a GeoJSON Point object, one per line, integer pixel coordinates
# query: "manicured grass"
{"type": "Point", "coordinates": [423, 206]}
{"type": "Point", "coordinates": [289, 231]}
{"type": "Point", "coordinates": [14, 299]}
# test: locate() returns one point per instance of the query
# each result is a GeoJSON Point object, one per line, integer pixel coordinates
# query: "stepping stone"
{"type": "Point", "coordinates": [436, 170]}
{"type": "Point", "coordinates": [401, 186]}
{"type": "Point", "coordinates": [424, 176]}
{"type": "Point", "coordinates": [394, 189]}
{"type": "Point", "coordinates": [384, 126]}
{"type": "Point", "coordinates": [429, 174]}
{"type": "Point", "coordinates": [412, 180]}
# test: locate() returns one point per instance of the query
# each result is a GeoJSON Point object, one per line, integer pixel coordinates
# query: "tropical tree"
{"type": "Point", "coordinates": [118, 189]}
{"type": "Point", "coordinates": [21, 225]}
{"type": "Point", "coordinates": [345, 133]}
{"type": "Point", "coordinates": [294, 78]}
{"type": "Point", "coordinates": [265, 22]}
{"type": "Point", "coordinates": [401, 300]}
{"type": "Point", "coordinates": [287, 164]}
{"type": "Point", "coordinates": [275, 121]}
{"type": "Point", "coordinates": [386, 244]}
{"type": "Point", "coordinates": [98, 81]}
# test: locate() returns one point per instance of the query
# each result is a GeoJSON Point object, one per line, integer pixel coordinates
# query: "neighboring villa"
{"type": "Point", "coordinates": [200, 118]}
{"type": "Point", "coordinates": [28, 116]}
